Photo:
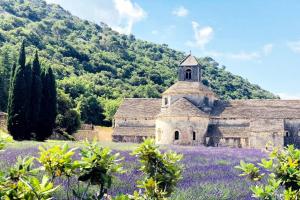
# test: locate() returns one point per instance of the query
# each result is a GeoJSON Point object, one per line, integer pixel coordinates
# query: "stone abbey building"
{"type": "Point", "coordinates": [189, 113]}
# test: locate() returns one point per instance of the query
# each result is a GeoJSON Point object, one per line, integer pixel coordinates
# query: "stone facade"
{"type": "Point", "coordinates": [3, 120]}
{"type": "Point", "coordinates": [189, 113]}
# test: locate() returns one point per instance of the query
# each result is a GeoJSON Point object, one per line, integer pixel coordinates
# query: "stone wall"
{"type": "Point", "coordinates": [195, 75]}
{"type": "Point", "coordinates": [3, 120]}
{"type": "Point", "coordinates": [133, 122]}
{"type": "Point", "coordinates": [292, 132]}
{"type": "Point", "coordinates": [264, 131]}
{"type": "Point", "coordinates": [245, 133]}
{"type": "Point", "coordinates": [186, 127]}
{"type": "Point", "coordinates": [228, 133]}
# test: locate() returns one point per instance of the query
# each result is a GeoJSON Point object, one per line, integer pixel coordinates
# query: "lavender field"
{"type": "Point", "coordinates": [209, 172]}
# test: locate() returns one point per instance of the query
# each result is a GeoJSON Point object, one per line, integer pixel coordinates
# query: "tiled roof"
{"type": "Point", "coordinates": [183, 107]}
{"type": "Point", "coordinates": [136, 131]}
{"type": "Point", "coordinates": [185, 87]}
{"type": "Point", "coordinates": [139, 107]}
{"type": "Point", "coordinates": [189, 61]}
{"type": "Point", "coordinates": [266, 109]}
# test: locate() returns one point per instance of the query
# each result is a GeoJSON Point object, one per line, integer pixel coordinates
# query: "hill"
{"type": "Point", "coordinates": [93, 60]}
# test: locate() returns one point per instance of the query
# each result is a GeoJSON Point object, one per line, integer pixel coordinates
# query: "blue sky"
{"type": "Point", "coordinates": [259, 40]}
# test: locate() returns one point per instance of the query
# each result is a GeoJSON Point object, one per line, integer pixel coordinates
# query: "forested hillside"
{"type": "Point", "coordinates": [94, 64]}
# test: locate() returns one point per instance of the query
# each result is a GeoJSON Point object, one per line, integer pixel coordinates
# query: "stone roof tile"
{"type": "Point", "coordinates": [183, 107]}
{"type": "Point", "coordinates": [139, 107]}
{"type": "Point", "coordinates": [265, 109]}
{"type": "Point", "coordinates": [189, 61]}
{"type": "Point", "coordinates": [185, 87]}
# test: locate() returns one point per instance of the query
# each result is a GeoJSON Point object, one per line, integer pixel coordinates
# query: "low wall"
{"type": "Point", "coordinates": [3, 120]}
{"type": "Point", "coordinates": [98, 133]}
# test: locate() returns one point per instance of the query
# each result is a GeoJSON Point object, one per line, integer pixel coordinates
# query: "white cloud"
{"type": "Point", "coordinates": [294, 46]}
{"type": "Point", "coordinates": [202, 35]}
{"type": "Point", "coordinates": [129, 13]}
{"type": "Point", "coordinates": [244, 55]}
{"type": "Point", "coordinates": [120, 15]}
{"type": "Point", "coordinates": [267, 49]}
{"type": "Point", "coordinates": [154, 32]}
{"type": "Point", "coordinates": [180, 11]}
{"type": "Point", "coordinates": [289, 96]}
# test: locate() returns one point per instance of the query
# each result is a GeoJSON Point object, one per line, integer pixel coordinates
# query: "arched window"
{"type": "Point", "coordinates": [166, 101]}
{"type": "Point", "coordinates": [194, 135]}
{"type": "Point", "coordinates": [287, 134]}
{"type": "Point", "coordinates": [188, 74]}
{"type": "Point", "coordinates": [176, 135]}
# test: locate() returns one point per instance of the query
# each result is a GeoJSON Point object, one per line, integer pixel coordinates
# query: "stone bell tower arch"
{"type": "Point", "coordinates": [190, 70]}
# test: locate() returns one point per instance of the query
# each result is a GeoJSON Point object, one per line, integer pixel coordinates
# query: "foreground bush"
{"type": "Point", "coordinates": [2, 143]}
{"type": "Point", "coordinates": [281, 171]}
{"type": "Point", "coordinates": [162, 172]}
{"type": "Point", "coordinates": [4, 139]}
{"type": "Point", "coordinates": [21, 182]}
{"type": "Point", "coordinates": [91, 175]}
{"type": "Point", "coordinates": [96, 167]}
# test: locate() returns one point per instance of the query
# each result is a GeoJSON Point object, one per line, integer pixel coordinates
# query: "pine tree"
{"type": "Point", "coordinates": [48, 109]}
{"type": "Point", "coordinates": [18, 107]}
{"type": "Point", "coordinates": [36, 94]}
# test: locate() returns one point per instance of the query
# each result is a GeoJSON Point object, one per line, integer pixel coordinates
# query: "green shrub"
{"type": "Point", "coordinates": [97, 167]}
{"type": "Point", "coordinates": [162, 172]}
{"type": "Point", "coordinates": [57, 161]}
{"type": "Point", "coordinates": [21, 182]}
{"type": "Point", "coordinates": [282, 175]}
{"type": "Point", "coordinates": [4, 139]}
{"type": "Point", "coordinates": [2, 144]}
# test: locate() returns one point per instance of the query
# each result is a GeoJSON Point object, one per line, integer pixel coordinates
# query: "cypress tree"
{"type": "Point", "coordinates": [4, 79]}
{"type": "Point", "coordinates": [27, 100]}
{"type": "Point", "coordinates": [52, 100]}
{"type": "Point", "coordinates": [2, 89]}
{"type": "Point", "coordinates": [12, 74]}
{"type": "Point", "coordinates": [36, 94]}
{"type": "Point", "coordinates": [22, 55]}
{"type": "Point", "coordinates": [48, 109]}
{"type": "Point", "coordinates": [18, 115]}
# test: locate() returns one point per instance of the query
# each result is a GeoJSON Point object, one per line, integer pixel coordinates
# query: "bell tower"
{"type": "Point", "coordinates": [189, 69]}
